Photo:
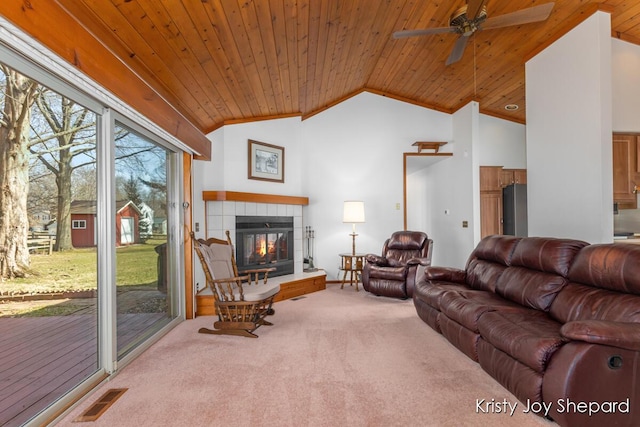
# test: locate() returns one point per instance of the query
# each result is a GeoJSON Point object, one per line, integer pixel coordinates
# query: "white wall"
{"type": "Point", "coordinates": [418, 202]}
{"type": "Point", "coordinates": [502, 143]}
{"type": "Point", "coordinates": [488, 141]}
{"type": "Point", "coordinates": [354, 151]}
{"type": "Point", "coordinates": [625, 58]}
{"type": "Point", "coordinates": [569, 125]}
{"type": "Point", "coordinates": [227, 170]}
{"type": "Point", "coordinates": [453, 191]}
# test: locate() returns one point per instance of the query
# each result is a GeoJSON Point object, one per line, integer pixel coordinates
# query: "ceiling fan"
{"type": "Point", "coordinates": [473, 17]}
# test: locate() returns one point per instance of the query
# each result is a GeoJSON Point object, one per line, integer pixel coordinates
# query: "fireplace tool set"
{"type": "Point", "coordinates": [309, 236]}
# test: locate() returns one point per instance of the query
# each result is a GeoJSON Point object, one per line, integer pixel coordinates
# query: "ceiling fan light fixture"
{"type": "Point", "coordinates": [511, 107]}
{"type": "Point", "coordinates": [459, 18]}
{"type": "Point", "coordinates": [466, 25]}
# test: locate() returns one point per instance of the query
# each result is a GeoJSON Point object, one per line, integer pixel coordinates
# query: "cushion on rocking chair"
{"type": "Point", "coordinates": [257, 292]}
{"type": "Point", "coordinates": [218, 259]}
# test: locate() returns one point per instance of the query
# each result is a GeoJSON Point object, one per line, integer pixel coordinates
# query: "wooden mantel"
{"type": "Point", "coordinates": [235, 196]}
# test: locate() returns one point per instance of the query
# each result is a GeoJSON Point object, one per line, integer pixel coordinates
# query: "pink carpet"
{"type": "Point", "coordinates": [333, 358]}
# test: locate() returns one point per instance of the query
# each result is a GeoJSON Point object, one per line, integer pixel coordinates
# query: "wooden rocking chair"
{"type": "Point", "coordinates": [241, 302]}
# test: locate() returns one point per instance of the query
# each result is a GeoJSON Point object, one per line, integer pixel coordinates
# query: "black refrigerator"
{"type": "Point", "coordinates": [514, 210]}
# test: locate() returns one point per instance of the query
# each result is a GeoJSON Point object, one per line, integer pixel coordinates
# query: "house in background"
{"type": "Point", "coordinates": [83, 227]}
{"type": "Point", "coordinates": [39, 220]}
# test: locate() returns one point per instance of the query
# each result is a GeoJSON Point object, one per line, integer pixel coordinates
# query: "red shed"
{"type": "Point", "coordinates": [83, 227]}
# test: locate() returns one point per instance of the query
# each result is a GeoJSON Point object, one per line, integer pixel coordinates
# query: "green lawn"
{"type": "Point", "coordinates": [136, 266]}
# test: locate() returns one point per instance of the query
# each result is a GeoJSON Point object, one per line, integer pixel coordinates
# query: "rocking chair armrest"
{"type": "Point", "coordinates": [256, 271]}
{"type": "Point", "coordinates": [237, 279]}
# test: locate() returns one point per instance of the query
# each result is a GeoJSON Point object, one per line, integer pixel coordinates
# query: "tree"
{"type": "Point", "coordinates": [66, 143]}
{"type": "Point", "coordinates": [132, 192]}
{"type": "Point", "coordinates": [42, 194]}
{"type": "Point", "coordinates": [84, 184]}
{"type": "Point", "coordinates": [18, 96]}
{"type": "Point", "coordinates": [64, 140]}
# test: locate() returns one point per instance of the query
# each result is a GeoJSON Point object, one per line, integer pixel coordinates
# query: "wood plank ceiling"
{"type": "Point", "coordinates": [229, 61]}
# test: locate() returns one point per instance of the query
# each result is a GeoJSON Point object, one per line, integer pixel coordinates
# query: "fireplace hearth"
{"type": "Point", "coordinates": [265, 241]}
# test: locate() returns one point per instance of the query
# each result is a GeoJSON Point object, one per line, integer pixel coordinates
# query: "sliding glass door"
{"type": "Point", "coordinates": [142, 225]}
{"type": "Point", "coordinates": [89, 261]}
{"type": "Point", "coordinates": [48, 246]}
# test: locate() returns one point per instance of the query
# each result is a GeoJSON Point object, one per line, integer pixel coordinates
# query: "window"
{"type": "Point", "coordinates": [78, 224]}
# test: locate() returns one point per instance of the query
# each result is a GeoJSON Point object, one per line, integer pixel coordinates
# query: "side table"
{"type": "Point", "coordinates": [352, 265]}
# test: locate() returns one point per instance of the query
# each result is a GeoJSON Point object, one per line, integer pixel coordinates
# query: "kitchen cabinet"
{"type": "Point", "coordinates": [492, 180]}
{"type": "Point", "coordinates": [513, 176]}
{"type": "Point", "coordinates": [626, 170]}
{"type": "Point", "coordinates": [490, 213]}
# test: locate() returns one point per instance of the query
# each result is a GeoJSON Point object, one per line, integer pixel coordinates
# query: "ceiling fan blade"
{"type": "Point", "coordinates": [458, 50]}
{"type": "Point", "coordinates": [473, 8]}
{"type": "Point", "coordinates": [423, 32]}
{"type": "Point", "coordinates": [523, 16]}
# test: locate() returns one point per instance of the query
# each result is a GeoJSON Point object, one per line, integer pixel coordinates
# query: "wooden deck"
{"type": "Point", "coordinates": [42, 358]}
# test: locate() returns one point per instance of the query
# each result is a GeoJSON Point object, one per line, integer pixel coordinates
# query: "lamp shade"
{"type": "Point", "coordinates": [353, 211]}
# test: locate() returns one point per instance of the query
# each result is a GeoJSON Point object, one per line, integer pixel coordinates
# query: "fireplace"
{"type": "Point", "coordinates": [265, 241]}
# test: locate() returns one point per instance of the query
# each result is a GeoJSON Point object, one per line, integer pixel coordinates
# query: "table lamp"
{"type": "Point", "coordinates": [353, 213]}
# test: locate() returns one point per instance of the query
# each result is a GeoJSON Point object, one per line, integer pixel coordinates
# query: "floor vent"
{"type": "Point", "coordinates": [297, 298]}
{"type": "Point", "coordinates": [101, 405]}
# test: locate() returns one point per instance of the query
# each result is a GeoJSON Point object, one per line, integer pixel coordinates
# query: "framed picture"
{"type": "Point", "coordinates": [266, 161]}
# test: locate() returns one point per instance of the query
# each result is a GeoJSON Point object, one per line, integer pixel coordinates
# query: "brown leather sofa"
{"type": "Point", "coordinates": [555, 321]}
{"type": "Point", "coordinates": [393, 274]}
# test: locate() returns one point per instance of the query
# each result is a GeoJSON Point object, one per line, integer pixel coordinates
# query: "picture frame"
{"type": "Point", "coordinates": [266, 161]}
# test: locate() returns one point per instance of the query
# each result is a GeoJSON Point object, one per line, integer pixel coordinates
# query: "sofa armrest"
{"type": "Point", "coordinates": [616, 334]}
{"type": "Point", "coordinates": [376, 260]}
{"type": "Point", "coordinates": [446, 274]}
{"type": "Point", "coordinates": [419, 261]}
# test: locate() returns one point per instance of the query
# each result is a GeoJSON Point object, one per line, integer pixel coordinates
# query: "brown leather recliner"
{"type": "Point", "coordinates": [394, 273]}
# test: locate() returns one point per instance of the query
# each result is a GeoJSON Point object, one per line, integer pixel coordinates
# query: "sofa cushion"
{"type": "Point", "coordinates": [609, 266]}
{"type": "Point", "coordinates": [530, 288]}
{"type": "Point", "coordinates": [461, 337]}
{"type": "Point", "coordinates": [546, 254]}
{"type": "Point", "coordinates": [581, 302]}
{"type": "Point", "coordinates": [406, 240]}
{"type": "Point", "coordinates": [483, 275]}
{"type": "Point", "coordinates": [466, 307]}
{"type": "Point", "coordinates": [432, 292]}
{"type": "Point", "coordinates": [529, 336]}
{"type": "Point", "coordinates": [388, 273]}
{"type": "Point", "coordinates": [488, 260]}
{"type": "Point", "coordinates": [519, 379]}
{"type": "Point", "coordinates": [399, 257]}
{"type": "Point", "coordinates": [498, 249]}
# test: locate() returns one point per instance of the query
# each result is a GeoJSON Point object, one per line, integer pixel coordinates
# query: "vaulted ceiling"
{"type": "Point", "coordinates": [229, 61]}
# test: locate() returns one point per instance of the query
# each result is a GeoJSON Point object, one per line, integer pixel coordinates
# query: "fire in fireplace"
{"type": "Point", "coordinates": [265, 241]}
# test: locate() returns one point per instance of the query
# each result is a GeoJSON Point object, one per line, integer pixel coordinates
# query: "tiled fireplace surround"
{"type": "Point", "coordinates": [221, 209]}
{"type": "Point", "coordinates": [221, 216]}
